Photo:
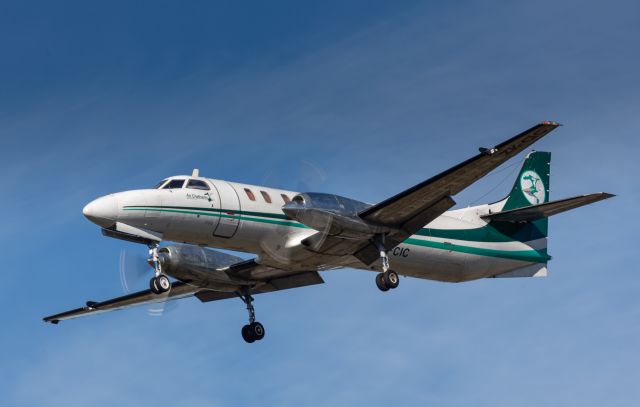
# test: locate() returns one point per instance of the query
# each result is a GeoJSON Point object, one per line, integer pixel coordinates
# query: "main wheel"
{"type": "Point", "coordinates": [163, 283]}
{"type": "Point", "coordinates": [154, 286]}
{"type": "Point", "coordinates": [160, 284]}
{"type": "Point", "coordinates": [246, 334]}
{"type": "Point", "coordinates": [257, 330]}
{"type": "Point", "coordinates": [380, 282]}
{"type": "Point", "coordinates": [391, 279]}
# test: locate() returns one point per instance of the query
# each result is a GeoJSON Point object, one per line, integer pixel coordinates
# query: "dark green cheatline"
{"type": "Point", "coordinates": [483, 234]}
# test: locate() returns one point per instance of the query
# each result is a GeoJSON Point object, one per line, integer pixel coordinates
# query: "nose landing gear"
{"type": "Point", "coordinates": [159, 283]}
{"type": "Point", "coordinates": [253, 331]}
{"type": "Point", "coordinates": [388, 279]}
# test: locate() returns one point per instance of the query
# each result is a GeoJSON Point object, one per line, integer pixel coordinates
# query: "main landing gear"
{"type": "Point", "coordinates": [159, 283]}
{"type": "Point", "coordinates": [388, 279]}
{"type": "Point", "coordinates": [253, 331]}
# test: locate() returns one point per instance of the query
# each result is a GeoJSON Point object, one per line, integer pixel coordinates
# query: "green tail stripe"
{"type": "Point", "coordinates": [533, 256]}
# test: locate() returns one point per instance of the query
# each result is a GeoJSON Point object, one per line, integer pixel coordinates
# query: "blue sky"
{"type": "Point", "coordinates": [361, 98]}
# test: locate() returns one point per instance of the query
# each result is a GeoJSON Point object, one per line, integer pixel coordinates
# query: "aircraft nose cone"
{"type": "Point", "coordinates": [102, 211]}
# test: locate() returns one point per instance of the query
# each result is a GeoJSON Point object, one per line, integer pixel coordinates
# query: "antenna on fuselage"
{"type": "Point", "coordinates": [195, 172]}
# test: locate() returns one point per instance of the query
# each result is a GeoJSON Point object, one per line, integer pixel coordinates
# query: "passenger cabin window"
{"type": "Point", "coordinates": [174, 184]}
{"type": "Point", "coordinates": [266, 197]}
{"type": "Point", "coordinates": [285, 198]}
{"type": "Point", "coordinates": [198, 184]}
{"type": "Point", "coordinates": [250, 194]}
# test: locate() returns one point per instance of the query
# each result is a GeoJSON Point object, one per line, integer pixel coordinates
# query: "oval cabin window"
{"type": "Point", "coordinates": [266, 197]}
{"type": "Point", "coordinates": [250, 194]}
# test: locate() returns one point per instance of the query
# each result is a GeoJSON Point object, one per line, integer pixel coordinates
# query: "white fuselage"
{"type": "Point", "coordinates": [457, 246]}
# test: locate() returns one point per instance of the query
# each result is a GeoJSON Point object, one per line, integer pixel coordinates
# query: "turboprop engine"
{"type": "Point", "coordinates": [332, 214]}
{"type": "Point", "coordinates": [198, 265]}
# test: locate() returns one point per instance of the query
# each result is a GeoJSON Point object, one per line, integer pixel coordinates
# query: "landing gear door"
{"type": "Point", "coordinates": [229, 210]}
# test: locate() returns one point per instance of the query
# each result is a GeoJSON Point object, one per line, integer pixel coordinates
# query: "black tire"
{"type": "Point", "coordinates": [246, 334]}
{"type": "Point", "coordinates": [163, 283]}
{"type": "Point", "coordinates": [391, 279]}
{"type": "Point", "coordinates": [152, 285]}
{"type": "Point", "coordinates": [380, 283]}
{"type": "Point", "coordinates": [257, 330]}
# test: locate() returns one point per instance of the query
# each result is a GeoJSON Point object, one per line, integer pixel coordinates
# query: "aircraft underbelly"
{"type": "Point", "coordinates": [452, 266]}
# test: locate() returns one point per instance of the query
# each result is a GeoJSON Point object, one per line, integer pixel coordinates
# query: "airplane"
{"type": "Point", "coordinates": [296, 235]}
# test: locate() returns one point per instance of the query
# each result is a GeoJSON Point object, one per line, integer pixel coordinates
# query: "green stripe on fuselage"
{"type": "Point", "coordinates": [486, 233]}
{"type": "Point", "coordinates": [220, 213]}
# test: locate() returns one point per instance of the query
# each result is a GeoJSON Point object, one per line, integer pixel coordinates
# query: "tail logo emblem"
{"type": "Point", "coordinates": [532, 187]}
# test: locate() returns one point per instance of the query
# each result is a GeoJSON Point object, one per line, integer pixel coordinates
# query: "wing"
{"type": "Point", "coordinates": [178, 290]}
{"type": "Point", "coordinates": [402, 208]}
{"type": "Point", "coordinates": [544, 210]}
{"type": "Point", "coordinates": [417, 206]}
{"type": "Point", "coordinates": [183, 290]}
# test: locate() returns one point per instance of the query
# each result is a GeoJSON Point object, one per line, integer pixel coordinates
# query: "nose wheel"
{"type": "Point", "coordinates": [253, 331]}
{"type": "Point", "coordinates": [159, 283]}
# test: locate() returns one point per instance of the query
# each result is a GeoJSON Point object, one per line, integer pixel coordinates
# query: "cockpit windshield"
{"type": "Point", "coordinates": [174, 184]}
{"type": "Point", "coordinates": [159, 184]}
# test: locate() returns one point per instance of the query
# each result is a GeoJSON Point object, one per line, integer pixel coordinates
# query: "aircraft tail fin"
{"type": "Point", "coordinates": [532, 185]}
{"type": "Point", "coordinates": [530, 188]}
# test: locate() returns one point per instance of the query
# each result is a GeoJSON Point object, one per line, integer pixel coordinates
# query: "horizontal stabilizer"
{"type": "Point", "coordinates": [544, 210]}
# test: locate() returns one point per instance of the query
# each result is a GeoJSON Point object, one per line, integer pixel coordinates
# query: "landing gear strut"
{"type": "Point", "coordinates": [388, 279]}
{"type": "Point", "coordinates": [253, 331]}
{"type": "Point", "coordinates": [159, 283]}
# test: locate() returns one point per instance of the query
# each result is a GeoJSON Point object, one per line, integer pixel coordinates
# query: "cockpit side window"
{"type": "Point", "coordinates": [198, 184]}
{"type": "Point", "coordinates": [174, 184]}
{"type": "Point", "coordinates": [159, 184]}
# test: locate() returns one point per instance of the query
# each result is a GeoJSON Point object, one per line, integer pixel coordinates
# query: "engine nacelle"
{"type": "Point", "coordinates": [331, 214]}
{"type": "Point", "coordinates": [198, 265]}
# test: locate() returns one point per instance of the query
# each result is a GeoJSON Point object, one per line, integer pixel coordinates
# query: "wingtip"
{"type": "Point", "coordinates": [550, 123]}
